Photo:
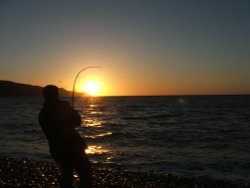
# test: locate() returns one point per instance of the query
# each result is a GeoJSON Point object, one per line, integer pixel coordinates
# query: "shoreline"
{"type": "Point", "coordinates": [24, 172]}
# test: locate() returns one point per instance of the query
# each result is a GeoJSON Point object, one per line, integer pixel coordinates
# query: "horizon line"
{"type": "Point", "coordinates": [177, 95]}
{"type": "Point", "coordinates": [154, 95]}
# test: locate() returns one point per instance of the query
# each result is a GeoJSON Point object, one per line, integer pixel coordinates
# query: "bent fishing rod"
{"type": "Point", "coordinates": [73, 90]}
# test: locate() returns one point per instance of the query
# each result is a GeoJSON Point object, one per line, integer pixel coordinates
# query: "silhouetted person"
{"type": "Point", "coordinates": [58, 121]}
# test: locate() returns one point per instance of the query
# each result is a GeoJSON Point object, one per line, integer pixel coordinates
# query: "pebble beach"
{"type": "Point", "coordinates": [33, 173]}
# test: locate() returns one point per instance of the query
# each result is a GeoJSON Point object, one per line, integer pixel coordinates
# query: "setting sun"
{"type": "Point", "coordinates": [91, 88]}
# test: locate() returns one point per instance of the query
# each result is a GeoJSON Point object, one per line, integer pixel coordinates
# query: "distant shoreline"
{"type": "Point", "coordinates": [13, 89]}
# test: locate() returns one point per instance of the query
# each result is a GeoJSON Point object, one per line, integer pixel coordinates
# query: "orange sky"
{"type": "Point", "coordinates": [150, 48]}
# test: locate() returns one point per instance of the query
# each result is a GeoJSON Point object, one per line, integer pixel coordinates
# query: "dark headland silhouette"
{"type": "Point", "coordinates": [12, 89]}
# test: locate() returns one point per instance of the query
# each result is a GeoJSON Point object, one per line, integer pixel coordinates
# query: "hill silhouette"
{"type": "Point", "coordinates": [12, 89]}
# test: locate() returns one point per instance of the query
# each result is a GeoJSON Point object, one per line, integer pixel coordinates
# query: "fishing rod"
{"type": "Point", "coordinates": [73, 90]}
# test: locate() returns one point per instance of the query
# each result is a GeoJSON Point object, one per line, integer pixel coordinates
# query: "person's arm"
{"type": "Point", "coordinates": [76, 118]}
{"type": "Point", "coordinates": [70, 115]}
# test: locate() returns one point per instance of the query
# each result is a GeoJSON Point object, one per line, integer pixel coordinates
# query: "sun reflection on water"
{"type": "Point", "coordinates": [91, 116]}
{"type": "Point", "coordinates": [96, 113]}
{"type": "Point", "coordinates": [93, 105]}
{"type": "Point", "coordinates": [93, 149]}
{"type": "Point", "coordinates": [94, 129]}
{"type": "Point", "coordinates": [98, 135]}
{"type": "Point", "coordinates": [91, 122]}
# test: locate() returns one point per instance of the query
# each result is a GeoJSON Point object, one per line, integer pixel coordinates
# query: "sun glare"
{"type": "Point", "coordinates": [91, 88]}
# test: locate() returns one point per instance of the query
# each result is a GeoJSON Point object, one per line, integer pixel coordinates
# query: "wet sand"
{"type": "Point", "coordinates": [32, 173]}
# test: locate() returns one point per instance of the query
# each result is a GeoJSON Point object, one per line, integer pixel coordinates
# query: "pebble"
{"type": "Point", "coordinates": [38, 174]}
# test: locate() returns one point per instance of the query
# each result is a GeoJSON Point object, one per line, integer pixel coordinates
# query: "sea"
{"type": "Point", "coordinates": [189, 136]}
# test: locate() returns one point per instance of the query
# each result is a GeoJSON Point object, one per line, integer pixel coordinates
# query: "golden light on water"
{"type": "Point", "coordinates": [92, 123]}
{"type": "Point", "coordinates": [96, 150]}
{"type": "Point", "coordinates": [99, 135]}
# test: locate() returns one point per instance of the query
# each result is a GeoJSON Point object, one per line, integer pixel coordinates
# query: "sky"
{"type": "Point", "coordinates": [145, 47]}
